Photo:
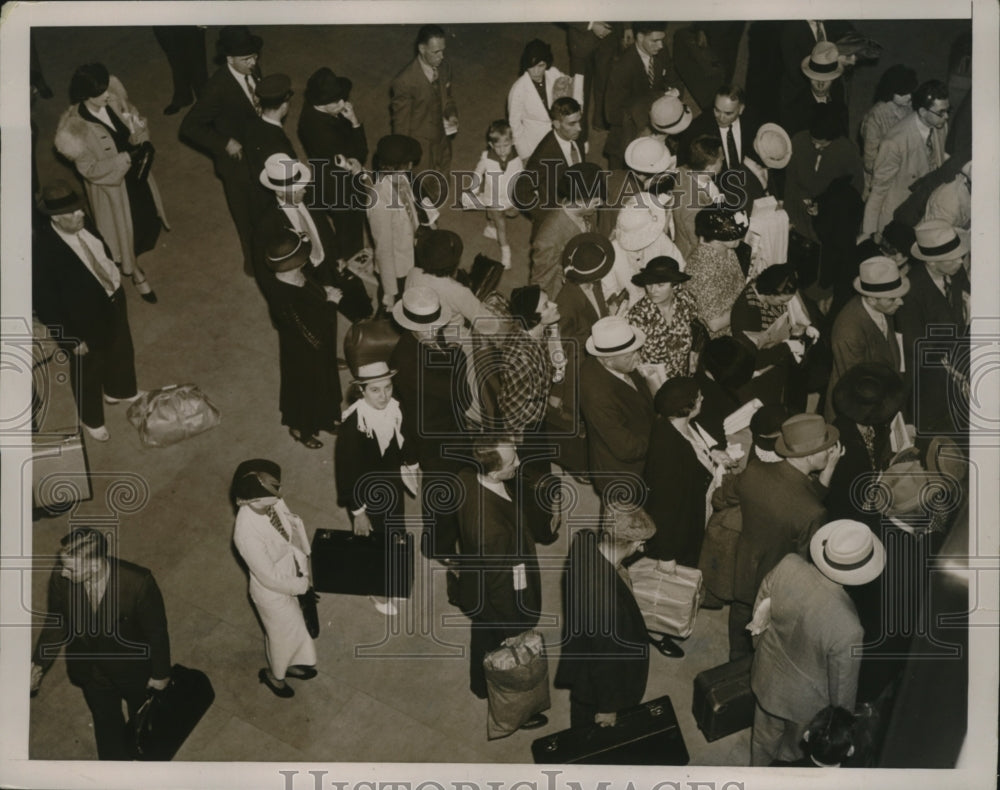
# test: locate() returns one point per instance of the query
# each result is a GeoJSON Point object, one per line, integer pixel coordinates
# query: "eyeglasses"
{"type": "Point", "coordinates": [939, 113]}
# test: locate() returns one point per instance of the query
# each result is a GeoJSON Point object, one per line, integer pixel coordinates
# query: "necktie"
{"type": "Point", "coordinates": [947, 289]}
{"type": "Point", "coordinates": [931, 159]}
{"type": "Point", "coordinates": [276, 522]}
{"type": "Point", "coordinates": [602, 305]}
{"type": "Point", "coordinates": [574, 154]}
{"type": "Point", "coordinates": [107, 283]}
{"type": "Point", "coordinates": [650, 73]}
{"type": "Point", "coordinates": [434, 76]}
{"type": "Point", "coordinates": [731, 153]}
{"type": "Point", "coordinates": [820, 31]}
{"type": "Point", "coordinates": [253, 95]}
{"type": "Point", "coordinates": [588, 225]}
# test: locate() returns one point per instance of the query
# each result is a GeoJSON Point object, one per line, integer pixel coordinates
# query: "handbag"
{"type": "Point", "coordinates": [170, 414]}
{"type": "Point", "coordinates": [355, 304]}
{"type": "Point", "coordinates": [308, 601]}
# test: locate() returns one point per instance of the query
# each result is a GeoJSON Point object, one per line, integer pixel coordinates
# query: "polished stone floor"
{"type": "Point", "coordinates": [386, 691]}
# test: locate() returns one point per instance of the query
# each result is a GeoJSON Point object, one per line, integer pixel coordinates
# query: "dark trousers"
{"type": "Point", "coordinates": [740, 642]}
{"type": "Point", "coordinates": [109, 370]}
{"type": "Point", "coordinates": [348, 218]}
{"type": "Point", "coordinates": [110, 729]}
{"type": "Point", "coordinates": [581, 713]}
{"type": "Point", "coordinates": [243, 201]}
{"type": "Point", "coordinates": [184, 46]}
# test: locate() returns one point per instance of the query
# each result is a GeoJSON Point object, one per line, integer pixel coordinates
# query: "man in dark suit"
{"type": "Point", "coordinates": [77, 294]}
{"type": "Point", "coordinates": [109, 615]}
{"type": "Point", "coordinates": [644, 68]}
{"type": "Point", "coordinates": [605, 655]}
{"type": "Point", "coordinates": [422, 106]}
{"type": "Point", "coordinates": [796, 38]}
{"type": "Point", "coordinates": [334, 140]}
{"type": "Point", "coordinates": [940, 297]}
{"type": "Point", "coordinates": [499, 579]}
{"type": "Point", "coordinates": [537, 190]}
{"type": "Point", "coordinates": [782, 505]}
{"type": "Point", "coordinates": [616, 404]}
{"type": "Point", "coordinates": [218, 121]}
{"type": "Point", "coordinates": [819, 83]}
{"type": "Point", "coordinates": [864, 331]}
{"type": "Point", "coordinates": [592, 48]}
{"type": "Point", "coordinates": [265, 135]}
{"type": "Point", "coordinates": [736, 128]}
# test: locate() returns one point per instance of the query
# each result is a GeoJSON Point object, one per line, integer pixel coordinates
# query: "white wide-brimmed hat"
{"type": "Point", "coordinates": [879, 276]}
{"type": "Point", "coordinates": [669, 115]}
{"type": "Point", "coordinates": [823, 63]}
{"type": "Point", "coordinates": [420, 308]}
{"type": "Point", "coordinates": [847, 552]}
{"type": "Point", "coordinates": [649, 155]}
{"type": "Point", "coordinates": [638, 225]}
{"type": "Point", "coordinates": [282, 172]}
{"type": "Point", "coordinates": [373, 371]}
{"type": "Point", "coordinates": [773, 145]}
{"type": "Point", "coordinates": [612, 336]}
{"type": "Point", "coordinates": [938, 240]}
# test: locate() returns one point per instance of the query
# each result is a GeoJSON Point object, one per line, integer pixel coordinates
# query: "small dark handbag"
{"type": "Point", "coordinates": [355, 304]}
{"type": "Point", "coordinates": [165, 720]}
{"type": "Point", "coordinates": [143, 161]}
{"type": "Point", "coordinates": [308, 601]}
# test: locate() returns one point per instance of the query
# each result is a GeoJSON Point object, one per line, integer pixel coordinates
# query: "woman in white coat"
{"type": "Point", "coordinates": [272, 541]}
{"type": "Point", "coordinates": [531, 96]}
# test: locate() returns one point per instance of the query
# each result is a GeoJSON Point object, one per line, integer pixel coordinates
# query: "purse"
{"type": "Point", "coordinates": [307, 602]}
{"type": "Point", "coordinates": [355, 304]}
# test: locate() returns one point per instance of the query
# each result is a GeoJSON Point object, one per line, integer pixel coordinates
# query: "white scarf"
{"type": "Point", "coordinates": [382, 423]}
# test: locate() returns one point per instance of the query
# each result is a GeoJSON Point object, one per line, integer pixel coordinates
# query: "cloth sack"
{"type": "Point", "coordinates": [167, 415]}
{"type": "Point", "coordinates": [669, 602]}
{"type": "Point", "coordinates": [517, 681]}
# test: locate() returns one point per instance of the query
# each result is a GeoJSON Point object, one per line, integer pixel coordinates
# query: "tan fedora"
{"type": "Point", "coordinates": [612, 336]}
{"type": "Point", "coordinates": [805, 434]}
{"type": "Point", "coordinates": [420, 308]}
{"type": "Point", "coordinates": [879, 276]}
{"type": "Point", "coordinates": [823, 63]}
{"type": "Point", "coordinates": [938, 240]}
{"type": "Point", "coordinates": [773, 145]}
{"type": "Point", "coordinates": [669, 115]}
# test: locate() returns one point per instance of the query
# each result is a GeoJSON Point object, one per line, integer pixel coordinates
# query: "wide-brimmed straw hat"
{"type": "Point", "coordinates": [282, 172]}
{"type": "Point", "coordinates": [938, 240]}
{"type": "Point", "coordinates": [612, 336]}
{"type": "Point", "coordinates": [649, 155]}
{"type": "Point", "coordinates": [879, 276]}
{"type": "Point", "coordinates": [669, 115]}
{"type": "Point", "coordinates": [823, 63]}
{"type": "Point", "coordinates": [372, 371]}
{"type": "Point", "coordinates": [773, 145]}
{"type": "Point", "coordinates": [420, 308]}
{"type": "Point", "coordinates": [847, 552]}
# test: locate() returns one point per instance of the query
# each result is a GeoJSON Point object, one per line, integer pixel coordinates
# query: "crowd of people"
{"type": "Point", "coordinates": [726, 325]}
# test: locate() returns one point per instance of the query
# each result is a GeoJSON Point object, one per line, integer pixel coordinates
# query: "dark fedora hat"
{"type": "Point", "coordinates": [60, 198]}
{"type": "Point", "coordinates": [238, 41]}
{"type": "Point", "coordinates": [661, 269]}
{"type": "Point", "coordinates": [397, 149]}
{"type": "Point", "coordinates": [728, 361]}
{"type": "Point", "coordinates": [325, 87]}
{"type": "Point", "coordinates": [256, 478]}
{"type": "Point", "coordinates": [869, 393]}
{"type": "Point", "coordinates": [287, 250]}
{"type": "Point", "coordinates": [765, 425]}
{"type": "Point", "coordinates": [439, 251]}
{"type": "Point", "coordinates": [587, 257]}
{"type": "Point", "coordinates": [805, 434]}
{"type": "Point", "coordinates": [274, 88]}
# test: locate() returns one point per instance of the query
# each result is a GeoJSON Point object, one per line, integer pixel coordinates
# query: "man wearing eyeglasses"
{"type": "Point", "coordinates": [913, 148]}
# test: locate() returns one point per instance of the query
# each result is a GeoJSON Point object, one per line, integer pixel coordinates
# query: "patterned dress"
{"type": "Point", "coordinates": [668, 344]}
{"type": "Point", "coordinates": [716, 282]}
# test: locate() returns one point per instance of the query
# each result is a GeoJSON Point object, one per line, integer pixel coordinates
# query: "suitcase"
{"type": "Point", "coordinates": [60, 475]}
{"type": "Point", "coordinates": [344, 563]}
{"type": "Point", "coordinates": [723, 702]}
{"type": "Point", "coordinates": [484, 276]}
{"type": "Point", "coordinates": [647, 734]}
{"type": "Point", "coordinates": [166, 719]}
{"type": "Point", "coordinates": [669, 602]}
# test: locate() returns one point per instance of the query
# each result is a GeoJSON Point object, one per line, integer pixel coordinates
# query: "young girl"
{"type": "Point", "coordinates": [494, 183]}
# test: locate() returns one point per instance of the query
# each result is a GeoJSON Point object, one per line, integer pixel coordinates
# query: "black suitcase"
{"type": "Point", "coordinates": [166, 719]}
{"type": "Point", "coordinates": [344, 563]}
{"type": "Point", "coordinates": [723, 702]}
{"type": "Point", "coordinates": [60, 474]}
{"type": "Point", "coordinates": [647, 734]}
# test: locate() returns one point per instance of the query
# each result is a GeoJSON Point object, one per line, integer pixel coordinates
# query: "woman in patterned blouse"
{"type": "Point", "coordinates": [665, 314]}
{"type": "Point", "coordinates": [716, 276]}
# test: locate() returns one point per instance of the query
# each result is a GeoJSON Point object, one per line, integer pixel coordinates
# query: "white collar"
{"type": "Point", "coordinates": [494, 485]}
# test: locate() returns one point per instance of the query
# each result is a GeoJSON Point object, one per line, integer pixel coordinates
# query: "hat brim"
{"type": "Point", "coordinates": [866, 573]}
{"type": "Point", "coordinates": [958, 252]}
{"type": "Point", "coordinates": [638, 340]}
{"type": "Point", "coordinates": [880, 413]}
{"type": "Point", "coordinates": [666, 162]}
{"type": "Point", "coordinates": [250, 46]}
{"type": "Point", "coordinates": [640, 238]}
{"type": "Point", "coordinates": [360, 380]}
{"type": "Point", "coordinates": [902, 290]}
{"type": "Point", "coordinates": [76, 205]}
{"type": "Point", "coordinates": [828, 76]}
{"type": "Point", "coordinates": [298, 168]}
{"type": "Point", "coordinates": [770, 161]}
{"type": "Point", "coordinates": [576, 276]}
{"type": "Point", "coordinates": [406, 323]}
{"type": "Point", "coordinates": [677, 126]}
{"type": "Point", "coordinates": [831, 437]}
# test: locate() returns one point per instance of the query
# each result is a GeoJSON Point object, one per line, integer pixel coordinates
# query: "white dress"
{"type": "Point", "coordinates": [275, 564]}
{"type": "Point", "coordinates": [528, 115]}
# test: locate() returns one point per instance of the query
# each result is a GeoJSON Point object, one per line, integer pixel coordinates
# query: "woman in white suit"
{"type": "Point", "coordinates": [272, 541]}
{"type": "Point", "coordinates": [531, 96]}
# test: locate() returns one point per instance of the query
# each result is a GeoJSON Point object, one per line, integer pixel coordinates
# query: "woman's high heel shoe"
{"type": "Point", "coordinates": [284, 691]}
{"type": "Point", "coordinates": [142, 286]}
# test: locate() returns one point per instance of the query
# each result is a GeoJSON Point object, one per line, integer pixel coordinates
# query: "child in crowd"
{"type": "Point", "coordinates": [495, 174]}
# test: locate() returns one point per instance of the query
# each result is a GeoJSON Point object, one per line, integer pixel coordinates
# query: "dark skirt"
{"type": "Point", "coordinates": [145, 221]}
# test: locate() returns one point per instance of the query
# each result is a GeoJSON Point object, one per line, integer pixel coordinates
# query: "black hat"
{"type": "Point", "coordinates": [325, 87]}
{"type": "Point", "coordinates": [675, 395]}
{"type": "Point", "coordinates": [728, 361]}
{"type": "Point", "coordinates": [661, 269]}
{"type": "Point", "coordinates": [587, 257]}
{"type": "Point", "coordinates": [274, 88]}
{"type": "Point", "coordinates": [524, 303]}
{"type": "Point", "coordinates": [397, 149]}
{"type": "Point", "coordinates": [777, 280]}
{"type": "Point", "coordinates": [536, 51]}
{"type": "Point", "coordinates": [287, 250]}
{"type": "Point", "coordinates": [237, 41]}
{"type": "Point", "coordinates": [869, 393]}
{"type": "Point", "coordinates": [88, 81]}
{"type": "Point", "coordinates": [256, 478]}
{"type": "Point", "coordinates": [60, 198]}
{"type": "Point", "coordinates": [439, 252]}
{"type": "Point", "coordinates": [765, 425]}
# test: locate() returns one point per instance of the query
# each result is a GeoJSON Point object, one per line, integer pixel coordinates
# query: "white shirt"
{"type": "Point", "coordinates": [644, 57]}
{"type": "Point", "coordinates": [566, 146]}
{"type": "Point", "coordinates": [877, 317]}
{"type": "Point", "coordinates": [242, 80]}
{"type": "Point", "coordinates": [735, 126]}
{"type": "Point", "coordinates": [495, 486]}
{"type": "Point", "coordinates": [76, 242]}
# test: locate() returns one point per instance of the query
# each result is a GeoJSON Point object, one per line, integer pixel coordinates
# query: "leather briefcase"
{"type": "Point", "coordinates": [60, 476]}
{"type": "Point", "coordinates": [167, 717]}
{"type": "Point", "coordinates": [647, 734]}
{"type": "Point", "coordinates": [380, 564]}
{"type": "Point", "coordinates": [723, 702]}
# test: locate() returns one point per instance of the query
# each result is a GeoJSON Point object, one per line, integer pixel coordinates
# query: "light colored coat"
{"type": "Point", "coordinates": [803, 661]}
{"type": "Point", "coordinates": [901, 160]}
{"type": "Point", "coordinates": [393, 221]}
{"type": "Point", "coordinates": [90, 148]}
{"type": "Point", "coordinates": [529, 118]}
